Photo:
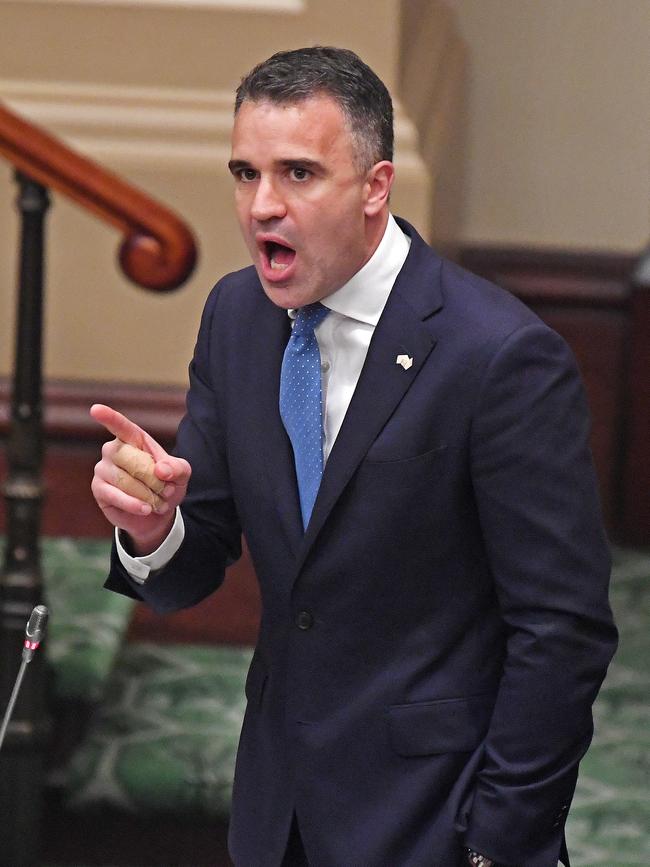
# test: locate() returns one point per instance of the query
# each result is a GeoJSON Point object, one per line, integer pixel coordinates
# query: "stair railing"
{"type": "Point", "coordinates": [158, 251]}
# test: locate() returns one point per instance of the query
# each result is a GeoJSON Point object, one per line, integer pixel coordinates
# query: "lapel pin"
{"type": "Point", "coordinates": [404, 361]}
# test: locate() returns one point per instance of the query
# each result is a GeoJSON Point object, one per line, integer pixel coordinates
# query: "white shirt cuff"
{"type": "Point", "coordinates": [139, 568]}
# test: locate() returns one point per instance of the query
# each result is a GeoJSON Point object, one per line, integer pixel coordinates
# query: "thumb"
{"type": "Point", "coordinates": [176, 471]}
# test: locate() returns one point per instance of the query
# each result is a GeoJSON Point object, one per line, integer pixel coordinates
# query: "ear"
{"type": "Point", "coordinates": [377, 188]}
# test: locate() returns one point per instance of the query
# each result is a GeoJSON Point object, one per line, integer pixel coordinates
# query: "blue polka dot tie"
{"type": "Point", "coordinates": [301, 405]}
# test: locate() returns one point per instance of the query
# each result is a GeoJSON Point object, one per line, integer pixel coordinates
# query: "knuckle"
{"type": "Point", "coordinates": [107, 448]}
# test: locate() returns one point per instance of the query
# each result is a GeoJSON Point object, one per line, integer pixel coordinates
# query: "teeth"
{"type": "Point", "coordinates": [277, 266]}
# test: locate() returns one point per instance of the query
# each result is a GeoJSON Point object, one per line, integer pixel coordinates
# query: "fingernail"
{"type": "Point", "coordinates": [145, 509]}
{"type": "Point", "coordinates": [168, 490]}
{"type": "Point", "coordinates": [165, 470]}
{"type": "Point", "coordinates": [161, 508]}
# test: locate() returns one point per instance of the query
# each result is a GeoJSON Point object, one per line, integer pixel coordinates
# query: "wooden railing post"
{"type": "Point", "coordinates": [22, 758]}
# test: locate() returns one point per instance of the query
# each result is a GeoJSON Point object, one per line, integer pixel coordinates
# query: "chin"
{"type": "Point", "coordinates": [280, 296]}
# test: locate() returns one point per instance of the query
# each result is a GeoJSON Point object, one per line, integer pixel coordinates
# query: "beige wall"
{"type": "Point", "coordinates": [558, 122]}
{"type": "Point", "coordinates": [145, 86]}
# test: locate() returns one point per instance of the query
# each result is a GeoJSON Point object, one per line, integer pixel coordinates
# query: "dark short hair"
{"type": "Point", "coordinates": [292, 76]}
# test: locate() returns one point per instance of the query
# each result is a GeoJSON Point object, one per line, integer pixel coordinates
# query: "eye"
{"type": "Point", "coordinates": [299, 173]}
{"type": "Point", "coordinates": [246, 175]}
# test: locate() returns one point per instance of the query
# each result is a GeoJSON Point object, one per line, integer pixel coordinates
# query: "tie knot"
{"type": "Point", "coordinates": [309, 317]}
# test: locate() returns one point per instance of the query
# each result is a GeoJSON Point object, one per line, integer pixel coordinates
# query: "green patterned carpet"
{"type": "Point", "coordinates": [609, 823]}
{"type": "Point", "coordinates": [86, 624]}
{"type": "Point", "coordinates": [171, 713]}
{"type": "Point", "coordinates": [165, 736]}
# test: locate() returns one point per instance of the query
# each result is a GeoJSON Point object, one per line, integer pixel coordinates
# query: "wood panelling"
{"type": "Point", "coordinates": [635, 513]}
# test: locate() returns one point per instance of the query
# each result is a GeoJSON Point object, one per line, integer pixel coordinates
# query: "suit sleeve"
{"type": "Point", "coordinates": [212, 531]}
{"type": "Point", "coordinates": [541, 522]}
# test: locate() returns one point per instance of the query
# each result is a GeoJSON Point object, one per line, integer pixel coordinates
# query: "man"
{"type": "Point", "coordinates": [435, 620]}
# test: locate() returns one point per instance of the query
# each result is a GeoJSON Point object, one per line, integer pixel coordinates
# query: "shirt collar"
{"type": "Point", "coordinates": [365, 294]}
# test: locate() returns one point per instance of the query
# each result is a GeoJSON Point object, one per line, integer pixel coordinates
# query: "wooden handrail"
{"type": "Point", "coordinates": [158, 250]}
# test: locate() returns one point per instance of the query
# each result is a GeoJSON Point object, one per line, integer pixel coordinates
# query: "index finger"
{"type": "Point", "coordinates": [119, 425]}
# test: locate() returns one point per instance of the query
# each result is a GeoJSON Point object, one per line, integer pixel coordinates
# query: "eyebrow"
{"type": "Point", "coordinates": [237, 165]}
{"type": "Point", "coordinates": [304, 162]}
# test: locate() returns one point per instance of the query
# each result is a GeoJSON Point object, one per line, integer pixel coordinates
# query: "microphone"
{"type": "Point", "coordinates": [33, 635]}
{"type": "Point", "coordinates": [34, 631]}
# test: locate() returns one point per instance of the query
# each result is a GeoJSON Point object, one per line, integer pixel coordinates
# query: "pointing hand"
{"type": "Point", "coordinates": [137, 484]}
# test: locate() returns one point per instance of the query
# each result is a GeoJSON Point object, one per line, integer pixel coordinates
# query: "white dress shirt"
{"type": "Point", "coordinates": [343, 340]}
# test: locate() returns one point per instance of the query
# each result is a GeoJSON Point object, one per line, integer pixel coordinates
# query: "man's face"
{"type": "Point", "coordinates": [300, 198]}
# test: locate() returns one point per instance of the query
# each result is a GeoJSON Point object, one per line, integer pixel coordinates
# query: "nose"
{"type": "Point", "coordinates": [267, 203]}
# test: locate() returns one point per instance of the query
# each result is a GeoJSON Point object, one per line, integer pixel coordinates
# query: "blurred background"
{"type": "Point", "coordinates": [522, 151]}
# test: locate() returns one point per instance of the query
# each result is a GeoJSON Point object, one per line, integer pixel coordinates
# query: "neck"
{"type": "Point", "coordinates": [375, 228]}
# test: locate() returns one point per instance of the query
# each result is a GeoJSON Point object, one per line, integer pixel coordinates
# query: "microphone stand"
{"type": "Point", "coordinates": [21, 767]}
{"type": "Point", "coordinates": [12, 700]}
{"type": "Point", "coordinates": [33, 635]}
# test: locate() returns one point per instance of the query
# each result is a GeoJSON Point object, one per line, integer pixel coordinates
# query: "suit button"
{"type": "Point", "coordinates": [304, 620]}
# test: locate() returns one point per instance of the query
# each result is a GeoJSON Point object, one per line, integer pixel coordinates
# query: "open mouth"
{"type": "Point", "coordinates": [279, 256]}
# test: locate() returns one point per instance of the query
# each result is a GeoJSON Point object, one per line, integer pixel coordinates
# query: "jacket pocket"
{"type": "Point", "coordinates": [377, 456]}
{"type": "Point", "coordinates": [255, 681]}
{"type": "Point", "coordinates": [433, 727]}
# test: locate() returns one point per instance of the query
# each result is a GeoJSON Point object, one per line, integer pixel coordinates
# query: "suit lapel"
{"type": "Point", "coordinates": [383, 383]}
{"type": "Point", "coordinates": [271, 442]}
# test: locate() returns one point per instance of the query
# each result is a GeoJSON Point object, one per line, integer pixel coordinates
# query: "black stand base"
{"type": "Point", "coordinates": [21, 774]}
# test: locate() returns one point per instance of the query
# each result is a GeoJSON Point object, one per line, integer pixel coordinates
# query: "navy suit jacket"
{"type": "Point", "coordinates": [431, 646]}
